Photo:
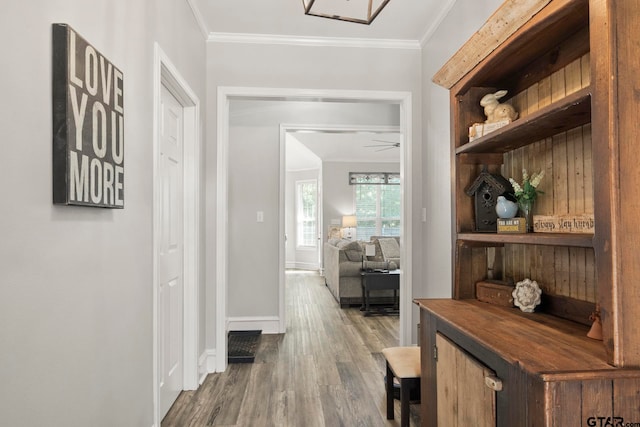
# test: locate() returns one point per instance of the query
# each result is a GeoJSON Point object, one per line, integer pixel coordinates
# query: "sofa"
{"type": "Point", "coordinates": [345, 259]}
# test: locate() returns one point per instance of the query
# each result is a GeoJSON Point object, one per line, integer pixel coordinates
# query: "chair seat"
{"type": "Point", "coordinates": [404, 364]}
{"type": "Point", "coordinates": [404, 361]}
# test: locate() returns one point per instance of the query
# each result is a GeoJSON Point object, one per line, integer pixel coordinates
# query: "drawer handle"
{"type": "Point", "coordinates": [494, 383]}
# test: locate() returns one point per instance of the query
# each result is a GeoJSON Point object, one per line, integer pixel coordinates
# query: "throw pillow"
{"type": "Point", "coordinates": [352, 250]}
{"type": "Point", "coordinates": [390, 248]}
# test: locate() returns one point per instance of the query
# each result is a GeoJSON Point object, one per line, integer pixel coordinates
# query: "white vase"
{"type": "Point", "coordinates": [506, 208]}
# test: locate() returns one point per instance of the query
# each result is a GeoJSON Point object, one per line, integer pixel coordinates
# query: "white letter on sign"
{"type": "Point", "coordinates": [72, 60]}
{"type": "Point", "coordinates": [96, 181]}
{"type": "Point", "coordinates": [99, 138]}
{"type": "Point", "coordinates": [91, 70]}
{"type": "Point", "coordinates": [79, 177]}
{"type": "Point", "coordinates": [78, 114]}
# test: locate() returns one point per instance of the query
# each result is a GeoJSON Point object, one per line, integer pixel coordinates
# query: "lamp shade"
{"type": "Point", "coordinates": [358, 11]}
{"type": "Point", "coordinates": [349, 221]}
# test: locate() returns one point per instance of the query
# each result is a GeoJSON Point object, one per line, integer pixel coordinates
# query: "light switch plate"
{"type": "Point", "coordinates": [260, 216]}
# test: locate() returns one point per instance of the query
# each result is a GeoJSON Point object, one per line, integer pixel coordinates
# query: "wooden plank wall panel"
{"type": "Point", "coordinates": [597, 399]}
{"type": "Point", "coordinates": [463, 397]}
{"type": "Point", "coordinates": [626, 398]}
{"type": "Point", "coordinates": [592, 399]}
{"type": "Point", "coordinates": [566, 159]}
{"type": "Point", "coordinates": [587, 168]}
{"type": "Point", "coordinates": [447, 384]}
{"type": "Point", "coordinates": [478, 402]}
{"type": "Point", "coordinates": [626, 234]}
{"type": "Point", "coordinates": [479, 267]}
{"type": "Point", "coordinates": [542, 265]}
{"type": "Point", "coordinates": [428, 388]}
{"type": "Point", "coordinates": [536, 401]}
{"type": "Point", "coordinates": [567, 403]}
{"type": "Point", "coordinates": [472, 267]}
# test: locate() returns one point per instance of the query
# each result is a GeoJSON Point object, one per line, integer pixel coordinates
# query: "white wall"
{"type": "Point", "coordinates": [254, 185]}
{"type": "Point", "coordinates": [76, 294]}
{"type": "Point", "coordinates": [281, 66]}
{"type": "Point", "coordinates": [464, 19]}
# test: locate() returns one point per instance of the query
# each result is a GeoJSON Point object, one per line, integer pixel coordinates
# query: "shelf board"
{"type": "Point", "coordinates": [568, 113]}
{"type": "Point", "coordinates": [581, 240]}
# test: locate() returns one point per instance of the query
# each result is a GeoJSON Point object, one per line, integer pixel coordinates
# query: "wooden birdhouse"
{"type": "Point", "coordinates": [485, 191]}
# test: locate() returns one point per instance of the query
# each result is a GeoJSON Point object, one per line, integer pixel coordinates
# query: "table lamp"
{"type": "Point", "coordinates": [349, 222]}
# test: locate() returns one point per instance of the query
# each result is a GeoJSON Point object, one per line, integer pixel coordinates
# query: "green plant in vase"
{"type": "Point", "coordinates": [526, 194]}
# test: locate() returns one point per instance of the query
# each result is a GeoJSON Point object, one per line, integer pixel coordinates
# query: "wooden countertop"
{"type": "Point", "coordinates": [542, 344]}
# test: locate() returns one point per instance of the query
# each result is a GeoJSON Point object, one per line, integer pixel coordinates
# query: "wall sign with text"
{"type": "Point", "coordinates": [88, 124]}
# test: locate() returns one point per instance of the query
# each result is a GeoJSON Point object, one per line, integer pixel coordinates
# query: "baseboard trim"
{"type": "Point", "coordinates": [267, 324]}
{"type": "Point", "coordinates": [206, 364]}
{"type": "Point", "coordinates": [302, 266]}
{"type": "Point", "coordinates": [307, 266]}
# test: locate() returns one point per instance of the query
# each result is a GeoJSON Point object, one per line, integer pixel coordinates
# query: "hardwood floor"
{"type": "Point", "coordinates": [327, 370]}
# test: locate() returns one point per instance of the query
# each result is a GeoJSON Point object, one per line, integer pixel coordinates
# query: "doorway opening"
{"type": "Point", "coordinates": [225, 97]}
{"type": "Point", "coordinates": [326, 153]}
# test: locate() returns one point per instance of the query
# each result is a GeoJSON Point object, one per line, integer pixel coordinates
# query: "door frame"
{"type": "Point", "coordinates": [167, 75]}
{"type": "Point", "coordinates": [293, 128]}
{"type": "Point", "coordinates": [225, 95]}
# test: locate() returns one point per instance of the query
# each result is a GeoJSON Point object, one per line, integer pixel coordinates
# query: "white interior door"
{"type": "Point", "coordinates": [171, 252]}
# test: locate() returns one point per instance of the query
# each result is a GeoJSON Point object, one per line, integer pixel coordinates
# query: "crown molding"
{"type": "Point", "coordinates": [313, 41]}
{"type": "Point", "coordinates": [199, 18]}
{"type": "Point", "coordinates": [448, 5]}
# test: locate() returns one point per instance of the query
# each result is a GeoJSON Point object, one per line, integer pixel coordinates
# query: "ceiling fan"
{"type": "Point", "coordinates": [384, 145]}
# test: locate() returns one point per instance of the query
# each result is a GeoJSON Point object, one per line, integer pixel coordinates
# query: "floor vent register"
{"type": "Point", "coordinates": [242, 346]}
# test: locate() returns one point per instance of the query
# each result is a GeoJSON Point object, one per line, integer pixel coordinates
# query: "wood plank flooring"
{"type": "Point", "coordinates": [327, 370]}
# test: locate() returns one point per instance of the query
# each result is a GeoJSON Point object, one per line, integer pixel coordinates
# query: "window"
{"type": "Point", "coordinates": [306, 213]}
{"type": "Point", "coordinates": [377, 210]}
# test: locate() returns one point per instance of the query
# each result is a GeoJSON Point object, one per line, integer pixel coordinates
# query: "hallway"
{"type": "Point", "coordinates": [326, 370]}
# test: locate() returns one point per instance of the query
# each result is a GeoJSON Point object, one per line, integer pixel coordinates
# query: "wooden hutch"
{"type": "Point", "coordinates": [572, 71]}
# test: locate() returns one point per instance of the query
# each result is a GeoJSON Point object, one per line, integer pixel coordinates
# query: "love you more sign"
{"type": "Point", "coordinates": [88, 124]}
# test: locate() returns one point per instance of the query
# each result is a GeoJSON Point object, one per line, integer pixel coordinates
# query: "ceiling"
{"type": "Point", "coordinates": [409, 20]}
{"type": "Point", "coordinates": [354, 147]}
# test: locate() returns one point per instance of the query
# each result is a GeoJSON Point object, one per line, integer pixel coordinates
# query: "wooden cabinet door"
{"type": "Point", "coordinates": [463, 397]}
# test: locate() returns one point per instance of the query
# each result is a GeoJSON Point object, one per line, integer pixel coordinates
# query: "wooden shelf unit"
{"type": "Point", "coordinates": [571, 70]}
{"type": "Point", "coordinates": [568, 113]}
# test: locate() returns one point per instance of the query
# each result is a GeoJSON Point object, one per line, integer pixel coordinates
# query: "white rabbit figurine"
{"type": "Point", "coordinates": [495, 111]}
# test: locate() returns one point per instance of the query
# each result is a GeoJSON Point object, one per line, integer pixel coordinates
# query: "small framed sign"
{"type": "Point", "coordinates": [583, 223]}
{"type": "Point", "coordinates": [88, 124]}
{"type": "Point", "coordinates": [512, 225]}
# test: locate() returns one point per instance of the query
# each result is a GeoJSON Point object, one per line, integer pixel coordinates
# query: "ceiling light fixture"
{"type": "Point", "coordinates": [358, 11]}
